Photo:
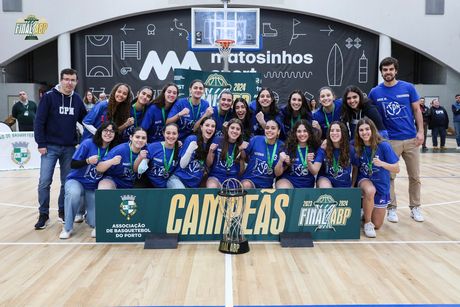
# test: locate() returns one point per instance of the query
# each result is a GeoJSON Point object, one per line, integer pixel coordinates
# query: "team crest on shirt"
{"type": "Point", "coordinates": [195, 167]}
{"type": "Point", "coordinates": [20, 153]}
{"type": "Point", "coordinates": [365, 169]}
{"type": "Point", "coordinates": [393, 108]}
{"type": "Point", "coordinates": [128, 206]}
{"type": "Point", "coordinates": [261, 167]}
{"type": "Point", "coordinates": [299, 170]}
{"type": "Point", "coordinates": [92, 173]}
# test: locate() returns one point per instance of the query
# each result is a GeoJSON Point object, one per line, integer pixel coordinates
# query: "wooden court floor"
{"type": "Point", "coordinates": [408, 262]}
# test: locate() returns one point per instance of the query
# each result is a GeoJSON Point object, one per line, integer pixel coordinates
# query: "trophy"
{"type": "Point", "coordinates": [231, 203]}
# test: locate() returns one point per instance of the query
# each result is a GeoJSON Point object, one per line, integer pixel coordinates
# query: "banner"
{"type": "Point", "coordinates": [298, 52]}
{"type": "Point", "coordinates": [194, 214]}
{"type": "Point", "coordinates": [245, 85]}
{"type": "Point", "coordinates": [18, 151]}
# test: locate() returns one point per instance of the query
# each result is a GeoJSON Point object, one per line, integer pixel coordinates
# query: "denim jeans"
{"type": "Point", "coordinates": [74, 191]}
{"type": "Point", "coordinates": [457, 132]}
{"type": "Point", "coordinates": [441, 131]}
{"type": "Point", "coordinates": [47, 164]}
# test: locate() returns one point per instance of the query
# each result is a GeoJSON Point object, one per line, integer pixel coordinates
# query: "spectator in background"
{"type": "Point", "coordinates": [456, 112]}
{"type": "Point", "coordinates": [438, 123]}
{"type": "Point", "coordinates": [89, 100]}
{"type": "Point", "coordinates": [58, 113]}
{"type": "Point", "coordinates": [424, 109]}
{"type": "Point", "coordinates": [102, 96]}
{"type": "Point", "coordinates": [24, 111]}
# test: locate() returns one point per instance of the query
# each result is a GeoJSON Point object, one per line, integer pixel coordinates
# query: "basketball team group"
{"type": "Point", "coordinates": [132, 142]}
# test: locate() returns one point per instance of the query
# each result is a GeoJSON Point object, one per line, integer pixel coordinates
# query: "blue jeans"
{"type": "Point", "coordinates": [74, 191]}
{"type": "Point", "coordinates": [457, 132]}
{"type": "Point", "coordinates": [434, 135]}
{"type": "Point", "coordinates": [47, 164]}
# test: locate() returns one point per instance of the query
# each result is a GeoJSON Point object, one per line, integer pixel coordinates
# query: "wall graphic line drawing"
{"type": "Point", "coordinates": [288, 74]}
{"type": "Point", "coordinates": [330, 30]}
{"type": "Point", "coordinates": [335, 66]}
{"type": "Point", "coordinates": [179, 27]}
{"type": "Point", "coordinates": [98, 56]}
{"type": "Point", "coordinates": [363, 69]}
{"type": "Point", "coordinates": [268, 31]}
{"type": "Point", "coordinates": [124, 29]}
{"type": "Point", "coordinates": [130, 50]}
{"type": "Point", "coordinates": [295, 35]}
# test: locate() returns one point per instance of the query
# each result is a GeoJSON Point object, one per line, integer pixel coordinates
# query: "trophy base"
{"type": "Point", "coordinates": [229, 247]}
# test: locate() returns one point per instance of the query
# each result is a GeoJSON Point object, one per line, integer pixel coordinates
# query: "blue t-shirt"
{"type": "Point", "coordinates": [298, 174]}
{"type": "Point", "coordinates": [257, 128]}
{"type": "Point", "coordinates": [395, 106]}
{"type": "Point", "coordinates": [258, 170]}
{"type": "Point", "coordinates": [289, 122]}
{"type": "Point", "coordinates": [87, 175]}
{"type": "Point", "coordinates": [156, 172]}
{"type": "Point", "coordinates": [343, 177]}
{"type": "Point", "coordinates": [187, 122]}
{"type": "Point", "coordinates": [95, 117]}
{"type": "Point", "coordinates": [219, 168]}
{"type": "Point", "coordinates": [122, 174]}
{"type": "Point", "coordinates": [380, 177]}
{"type": "Point", "coordinates": [193, 173]}
{"type": "Point", "coordinates": [153, 122]}
{"type": "Point", "coordinates": [220, 120]}
{"type": "Point", "coordinates": [138, 116]}
{"type": "Point", "coordinates": [325, 119]}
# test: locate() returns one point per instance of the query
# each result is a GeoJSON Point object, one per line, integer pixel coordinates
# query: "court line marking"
{"type": "Point", "coordinates": [253, 242]}
{"type": "Point", "coordinates": [399, 206]}
{"type": "Point", "coordinates": [228, 281]}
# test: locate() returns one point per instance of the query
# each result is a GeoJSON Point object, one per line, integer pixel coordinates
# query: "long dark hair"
{"type": "Point", "coordinates": [344, 158]}
{"type": "Point", "coordinates": [313, 141]}
{"type": "Point", "coordinates": [160, 100]}
{"type": "Point", "coordinates": [226, 139]}
{"type": "Point", "coordinates": [347, 111]}
{"type": "Point", "coordinates": [201, 152]}
{"type": "Point", "coordinates": [97, 137]}
{"type": "Point", "coordinates": [247, 129]}
{"type": "Point", "coordinates": [375, 139]}
{"type": "Point", "coordinates": [176, 145]}
{"type": "Point", "coordinates": [85, 99]}
{"type": "Point", "coordinates": [305, 112]}
{"type": "Point", "coordinates": [119, 112]}
{"type": "Point", "coordinates": [273, 108]}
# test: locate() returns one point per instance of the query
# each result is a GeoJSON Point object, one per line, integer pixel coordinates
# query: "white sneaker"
{"type": "Point", "coordinates": [79, 218]}
{"type": "Point", "coordinates": [416, 214]}
{"type": "Point", "coordinates": [458, 147]}
{"type": "Point", "coordinates": [369, 230]}
{"type": "Point", "coordinates": [65, 234]}
{"type": "Point", "coordinates": [392, 216]}
{"type": "Point", "coordinates": [93, 233]}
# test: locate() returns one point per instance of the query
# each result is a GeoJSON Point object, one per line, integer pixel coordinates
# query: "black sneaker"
{"type": "Point", "coordinates": [61, 217]}
{"type": "Point", "coordinates": [43, 220]}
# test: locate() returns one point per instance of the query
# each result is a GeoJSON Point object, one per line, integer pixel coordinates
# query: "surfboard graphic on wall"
{"type": "Point", "coordinates": [335, 66]}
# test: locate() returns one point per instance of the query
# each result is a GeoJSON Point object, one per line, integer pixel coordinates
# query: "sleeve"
{"type": "Point", "coordinates": [455, 110]}
{"type": "Point", "coordinates": [176, 108]}
{"type": "Point", "coordinates": [92, 116]}
{"type": "Point", "coordinates": [76, 164]}
{"type": "Point", "coordinates": [40, 121]}
{"type": "Point", "coordinates": [147, 120]}
{"type": "Point", "coordinates": [15, 110]}
{"type": "Point", "coordinates": [389, 154]}
{"type": "Point", "coordinates": [320, 154]}
{"type": "Point", "coordinates": [414, 96]}
{"type": "Point", "coordinates": [375, 116]}
{"type": "Point", "coordinates": [250, 147]}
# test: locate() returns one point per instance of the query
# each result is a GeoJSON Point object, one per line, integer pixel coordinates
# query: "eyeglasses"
{"type": "Point", "coordinates": [69, 80]}
{"type": "Point", "coordinates": [108, 131]}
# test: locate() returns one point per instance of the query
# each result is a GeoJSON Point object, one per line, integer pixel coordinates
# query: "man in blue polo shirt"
{"type": "Point", "coordinates": [398, 104]}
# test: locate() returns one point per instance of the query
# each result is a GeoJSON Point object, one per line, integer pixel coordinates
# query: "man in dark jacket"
{"type": "Point", "coordinates": [439, 122]}
{"type": "Point", "coordinates": [56, 136]}
{"type": "Point", "coordinates": [24, 111]}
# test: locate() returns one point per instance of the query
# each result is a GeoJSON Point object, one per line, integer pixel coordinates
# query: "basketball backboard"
{"type": "Point", "coordinates": [238, 24]}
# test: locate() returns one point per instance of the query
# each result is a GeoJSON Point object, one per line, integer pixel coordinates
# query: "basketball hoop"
{"type": "Point", "coordinates": [225, 47]}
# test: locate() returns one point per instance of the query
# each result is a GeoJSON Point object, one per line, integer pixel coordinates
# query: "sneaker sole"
{"type": "Point", "coordinates": [43, 227]}
{"type": "Point", "coordinates": [419, 221]}
{"type": "Point", "coordinates": [392, 221]}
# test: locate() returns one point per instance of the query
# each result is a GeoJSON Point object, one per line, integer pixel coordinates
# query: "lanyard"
{"type": "Point", "coordinates": [225, 117]}
{"type": "Point", "coordinates": [99, 153]}
{"type": "Point", "coordinates": [195, 117]}
{"type": "Point", "coordinates": [229, 159]}
{"type": "Point", "coordinates": [335, 164]}
{"type": "Point", "coordinates": [169, 163]}
{"type": "Point", "coordinates": [272, 158]}
{"type": "Point", "coordinates": [163, 112]}
{"type": "Point", "coordinates": [303, 159]}
{"type": "Point", "coordinates": [131, 157]}
{"type": "Point", "coordinates": [135, 114]}
{"type": "Point", "coordinates": [325, 116]}
{"type": "Point", "coordinates": [369, 160]}
{"type": "Point", "coordinates": [296, 120]}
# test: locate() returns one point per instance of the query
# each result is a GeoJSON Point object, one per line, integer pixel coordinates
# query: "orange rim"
{"type": "Point", "coordinates": [225, 43]}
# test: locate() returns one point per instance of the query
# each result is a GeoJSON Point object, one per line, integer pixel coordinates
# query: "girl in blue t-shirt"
{"type": "Point", "coordinates": [157, 114]}
{"type": "Point", "coordinates": [329, 111]}
{"type": "Point", "coordinates": [263, 154]}
{"type": "Point", "coordinates": [265, 109]}
{"type": "Point", "coordinates": [333, 163]}
{"type": "Point", "coordinates": [295, 163]}
{"type": "Point", "coordinates": [138, 109]}
{"type": "Point", "coordinates": [84, 178]}
{"type": "Point", "coordinates": [188, 113]}
{"type": "Point", "coordinates": [226, 160]}
{"type": "Point", "coordinates": [115, 109]}
{"type": "Point", "coordinates": [223, 111]}
{"type": "Point", "coordinates": [376, 161]}
{"type": "Point", "coordinates": [162, 157]}
{"type": "Point", "coordinates": [120, 162]}
{"type": "Point", "coordinates": [242, 111]}
{"type": "Point", "coordinates": [296, 109]}
{"type": "Point", "coordinates": [192, 157]}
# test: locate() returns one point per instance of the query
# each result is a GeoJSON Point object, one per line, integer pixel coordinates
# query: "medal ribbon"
{"type": "Point", "coordinates": [168, 164]}
{"type": "Point", "coordinates": [194, 117]}
{"type": "Point", "coordinates": [296, 120]}
{"type": "Point", "coordinates": [369, 159]}
{"type": "Point", "coordinates": [332, 118]}
{"type": "Point", "coordinates": [303, 158]}
{"type": "Point", "coordinates": [99, 153]}
{"type": "Point", "coordinates": [229, 159]}
{"type": "Point", "coordinates": [272, 158]}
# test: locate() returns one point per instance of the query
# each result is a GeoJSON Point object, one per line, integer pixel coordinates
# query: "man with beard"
{"type": "Point", "coordinates": [398, 103]}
